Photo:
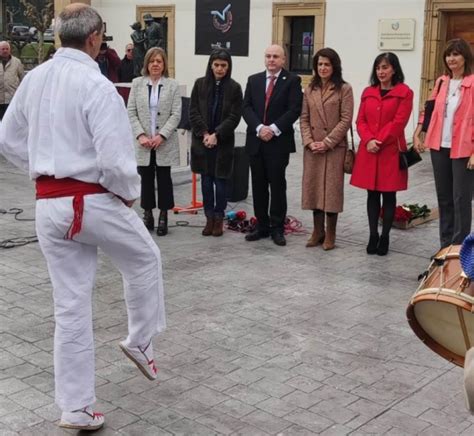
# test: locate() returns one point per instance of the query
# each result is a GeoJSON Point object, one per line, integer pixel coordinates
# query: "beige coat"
{"type": "Point", "coordinates": [10, 78]}
{"type": "Point", "coordinates": [168, 118]}
{"type": "Point", "coordinates": [325, 118]}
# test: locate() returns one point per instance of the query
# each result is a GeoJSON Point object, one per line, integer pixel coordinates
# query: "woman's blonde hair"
{"type": "Point", "coordinates": [150, 54]}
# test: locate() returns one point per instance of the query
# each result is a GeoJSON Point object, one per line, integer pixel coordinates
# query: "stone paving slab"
{"type": "Point", "coordinates": [261, 339]}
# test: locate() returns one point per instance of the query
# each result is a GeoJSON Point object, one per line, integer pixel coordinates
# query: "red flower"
{"type": "Point", "coordinates": [401, 214]}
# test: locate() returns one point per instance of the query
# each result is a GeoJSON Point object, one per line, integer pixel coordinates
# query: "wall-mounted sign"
{"type": "Point", "coordinates": [222, 23]}
{"type": "Point", "coordinates": [396, 34]}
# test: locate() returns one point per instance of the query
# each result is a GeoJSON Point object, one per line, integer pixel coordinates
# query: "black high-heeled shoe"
{"type": "Point", "coordinates": [384, 242]}
{"type": "Point", "coordinates": [162, 229]}
{"type": "Point", "coordinates": [373, 244]}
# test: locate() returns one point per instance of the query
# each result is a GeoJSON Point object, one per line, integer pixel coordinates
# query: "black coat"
{"type": "Point", "coordinates": [230, 118]}
{"type": "Point", "coordinates": [284, 108]}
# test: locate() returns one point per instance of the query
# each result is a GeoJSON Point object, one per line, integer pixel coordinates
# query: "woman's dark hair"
{"type": "Point", "coordinates": [392, 59]}
{"type": "Point", "coordinates": [335, 60]}
{"type": "Point", "coordinates": [461, 47]}
{"type": "Point", "coordinates": [223, 55]}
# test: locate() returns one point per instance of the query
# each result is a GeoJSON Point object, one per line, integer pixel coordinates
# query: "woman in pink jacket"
{"type": "Point", "coordinates": [384, 112]}
{"type": "Point", "coordinates": [450, 138]}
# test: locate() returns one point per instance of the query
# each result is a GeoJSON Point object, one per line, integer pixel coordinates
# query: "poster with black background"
{"type": "Point", "coordinates": [222, 23]}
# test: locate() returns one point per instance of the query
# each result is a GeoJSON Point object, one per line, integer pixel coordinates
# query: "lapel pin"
{"type": "Point", "coordinates": [284, 77]}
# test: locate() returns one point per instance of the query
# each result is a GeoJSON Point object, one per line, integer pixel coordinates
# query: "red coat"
{"type": "Point", "coordinates": [383, 119]}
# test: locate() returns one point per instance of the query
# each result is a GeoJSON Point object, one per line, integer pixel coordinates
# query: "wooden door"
{"type": "Point", "coordinates": [460, 25]}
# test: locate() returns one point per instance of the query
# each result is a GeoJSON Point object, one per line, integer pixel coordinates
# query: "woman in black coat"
{"type": "Point", "coordinates": [215, 111]}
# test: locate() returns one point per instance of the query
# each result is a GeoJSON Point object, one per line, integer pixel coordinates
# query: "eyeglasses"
{"type": "Point", "coordinates": [129, 49]}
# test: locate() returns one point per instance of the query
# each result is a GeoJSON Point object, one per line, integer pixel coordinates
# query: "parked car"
{"type": "Point", "coordinates": [48, 35]}
{"type": "Point", "coordinates": [20, 33]}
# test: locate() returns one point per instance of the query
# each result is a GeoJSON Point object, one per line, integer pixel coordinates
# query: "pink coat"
{"type": "Point", "coordinates": [384, 119]}
{"type": "Point", "coordinates": [463, 123]}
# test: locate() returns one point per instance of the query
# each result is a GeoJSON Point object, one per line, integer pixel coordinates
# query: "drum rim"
{"type": "Point", "coordinates": [427, 339]}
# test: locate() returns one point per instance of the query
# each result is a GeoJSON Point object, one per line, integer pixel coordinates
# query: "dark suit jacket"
{"type": "Point", "coordinates": [284, 108]}
{"type": "Point", "coordinates": [230, 118]}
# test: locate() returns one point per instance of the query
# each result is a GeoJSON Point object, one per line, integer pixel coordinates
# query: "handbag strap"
{"type": "Point", "coordinates": [352, 138]}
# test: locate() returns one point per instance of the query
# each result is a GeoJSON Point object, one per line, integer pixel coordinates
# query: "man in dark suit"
{"type": "Point", "coordinates": [272, 103]}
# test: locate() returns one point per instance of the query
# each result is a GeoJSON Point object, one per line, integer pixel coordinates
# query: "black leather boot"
{"type": "Point", "coordinates": [384, 243]}
{"type": "Point", "coordinates": [162, 229]}
{"type": "Point", "coordinates": [373, 244]}
{"type": "Point", "coordinates": [148, 219]}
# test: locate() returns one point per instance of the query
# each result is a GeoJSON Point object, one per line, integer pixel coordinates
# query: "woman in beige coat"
{"type": "Point", "coordinates": [326, 117]}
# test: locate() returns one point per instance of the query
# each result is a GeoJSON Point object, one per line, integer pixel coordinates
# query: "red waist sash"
{"type": "Point", "coordinates": [49, 187]}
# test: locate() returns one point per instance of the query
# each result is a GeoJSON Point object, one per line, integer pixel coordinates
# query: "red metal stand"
{"type": "Point", "coordinates": [195, 205]}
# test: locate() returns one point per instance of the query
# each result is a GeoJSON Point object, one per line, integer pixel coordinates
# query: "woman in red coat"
{"type": "Point", "coordinates": [383, 114]}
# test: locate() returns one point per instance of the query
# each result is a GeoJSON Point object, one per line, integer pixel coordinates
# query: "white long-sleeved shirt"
{"type": "Point", "coordinates": [66, 119]}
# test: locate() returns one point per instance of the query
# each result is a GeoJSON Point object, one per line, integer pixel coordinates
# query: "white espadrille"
{"type": "Point", "coordinates": [82, 419]}
{"type": "Point", "coordinates": [143, 358]}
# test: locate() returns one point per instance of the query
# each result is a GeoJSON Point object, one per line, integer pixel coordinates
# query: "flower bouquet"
{"type": "Point", "coordinates": [411, 215]}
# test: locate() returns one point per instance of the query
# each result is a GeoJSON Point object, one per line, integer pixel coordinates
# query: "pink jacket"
{"type": "Point", "coordinates": [463, 124]}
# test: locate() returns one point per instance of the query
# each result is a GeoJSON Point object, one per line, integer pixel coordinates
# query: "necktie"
{"type": "Point", "coordinates": [268, 94]}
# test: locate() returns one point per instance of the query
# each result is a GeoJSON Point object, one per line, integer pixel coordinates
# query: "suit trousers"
{"type": "Point", "coordinates": [454, 188]}
{"type": "Point", "coordinates": [269, 188]}
{"type": "Point", "coordinates": [163, 182]}
{"type": "Point", "coordinates": [120, 234]}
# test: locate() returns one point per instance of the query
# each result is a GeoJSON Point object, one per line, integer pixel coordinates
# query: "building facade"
{"type": "Point", "coordinates": [357, 29]}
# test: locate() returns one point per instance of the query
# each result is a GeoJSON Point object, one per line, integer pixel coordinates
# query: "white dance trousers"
{"type": "Point", "coordinates": [119, 232]}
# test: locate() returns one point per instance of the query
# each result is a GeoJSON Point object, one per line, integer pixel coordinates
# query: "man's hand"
{"type": "Point", "coordinates": [210, 141]}
{"type": "Point", "coordinates": [266, 133]}
{"type": "Point", "coordinates": [373, 146]}
{"type": "Point", "coordinates": [145, 141]}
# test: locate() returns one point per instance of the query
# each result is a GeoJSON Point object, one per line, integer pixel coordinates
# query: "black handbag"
{"type": "Point", "coordinates": [408, 158]}
{"type": "Point", "coordinates": [429, 107]}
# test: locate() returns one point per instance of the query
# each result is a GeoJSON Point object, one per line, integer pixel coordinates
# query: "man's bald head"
{"type": "Point", "coordinates": [274, 58]}
{"type": "Point", "coordinates": [5, 50]}
{"type": "Point", "coordinates": [76, 23]}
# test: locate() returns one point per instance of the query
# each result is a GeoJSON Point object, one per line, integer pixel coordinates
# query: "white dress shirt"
{"type": "Point", "coordinates": [272, 126]}
{"type": "Point", "coordinates": [66, 119]}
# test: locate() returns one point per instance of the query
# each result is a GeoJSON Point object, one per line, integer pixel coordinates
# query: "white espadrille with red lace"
{"type": "Point", "coordinates": [143, 358]}
{"type": "Point", "coordinates": [82, 419]}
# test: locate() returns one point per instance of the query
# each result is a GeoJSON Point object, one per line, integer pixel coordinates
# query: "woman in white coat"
{"type": "Point", "coordinates": [154, 109]}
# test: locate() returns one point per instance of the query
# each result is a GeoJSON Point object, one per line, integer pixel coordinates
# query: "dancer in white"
{"type": "Point", "coordinates": [68, 127]}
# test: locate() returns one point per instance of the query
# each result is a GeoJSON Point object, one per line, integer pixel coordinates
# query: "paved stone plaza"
{"type": "Point", "coordinates": [261, 339]}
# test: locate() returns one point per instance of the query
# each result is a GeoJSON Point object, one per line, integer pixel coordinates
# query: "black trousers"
{"type": "Point", "coordinates": [454, 188]}
{"type": "Point", "coordinates": [269, 189]}
{"type": "Point", "coordinates": [163, 182]}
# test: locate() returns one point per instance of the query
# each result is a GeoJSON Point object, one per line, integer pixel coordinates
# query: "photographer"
{"type": "Point", "coordinates": [109, 62]}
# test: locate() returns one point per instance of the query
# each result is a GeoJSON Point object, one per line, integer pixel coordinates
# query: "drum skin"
{"type": "Point", "coordinates": [441, 310]}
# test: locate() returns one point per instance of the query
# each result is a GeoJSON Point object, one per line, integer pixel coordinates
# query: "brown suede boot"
{"type": "Point", "coordinates": [218, 229]}
{"type": "Point", "coordinates": [207, 231]}
{"type": "Point", "coordinates": [318, 233]}
{"type": "Point", "coordinates": [330, 238]}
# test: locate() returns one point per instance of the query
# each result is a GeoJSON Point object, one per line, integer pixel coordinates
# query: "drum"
{"type": "Point", "coordinates": [441, 310]}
